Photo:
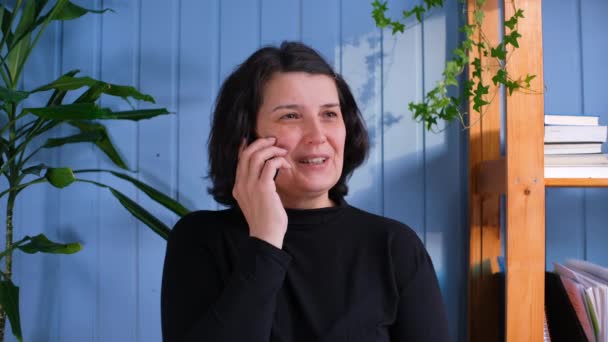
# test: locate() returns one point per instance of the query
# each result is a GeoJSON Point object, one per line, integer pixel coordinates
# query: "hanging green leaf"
{"type": "Point", "coordinates": [35, 170]}
{"type": "Point", "coordinates": [28, 16]}
{"type": "Point", "coordinates": [127, 92]}
{"type": "Point", "coordinates": [103, 141]}
{"type": "Point", "coordinates": [69, 82]}
{"type": "Point", "coordinates": [5, 20]}
{"type": "Point", "coordinates": [18, 52]}
{"type": "Point", "coordinates": [72, 139]}
{"type": "Point", "coordinates": [91, 111]}
{"type": "Point", "coordinates": [3, 145]}
{"type": "Point", "coordinates": [71, 11]}
{"type": "Point", "coordinates": [60, 177]}
{"type": "Point", "coordinates": [9, 300]}
{"type": "Point", "coordinates": [154, 194]}
{"type": "Point", "coordinates": [92, 94]}
{"type": "Point", "coordinates": [142, 214]}
{"type": "Point", "coordinates": [17, 55]}
{"type": "Point", "coordinates": [58, 95]}
{"type": "Point", "coordinates": [138, 114]}
{"type": "Point", "coordinates": [13, 96]}
{"type": "Point", "coordinates": [512, 38]}
{"type": "Point", "coordinates": [135, 209]}
{"type": "Point", "coordinates": [42, 244]}
{"type": "Point", "coordinates": [75, 111]}
{"type": "Point", "coordinates": [528, 79]}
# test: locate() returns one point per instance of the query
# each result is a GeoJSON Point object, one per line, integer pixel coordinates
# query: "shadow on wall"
{"type": "Point", "coordinates": [424, 186]}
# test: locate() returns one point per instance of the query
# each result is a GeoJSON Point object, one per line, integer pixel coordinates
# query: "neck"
{"type": "Point", "coordinates": [315, 202]}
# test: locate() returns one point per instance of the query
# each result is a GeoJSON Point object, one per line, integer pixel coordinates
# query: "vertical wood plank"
{"type": "Point", "coordinates": [525, 240]}
{"type": "Point", "coordinates": [402, 138]}
{"type": "Point", "coordinates": [484, 235]}
{"type": "Point", "coordinates": [198, 86]}
{"type": "Point", "coordinates": [280, 20]}
{"type": "Point", "coordinates": [594, 49]}
{"type": "Point", "coordinates": [239, 33]}
{"type": "Point", "coordinates": [320, 28]}
{"type": "Point", "coordinates": [157, 157]}
{"type": "Point", "coordinates": [118, 234]}
{"type": "Point", "coordinates": [565, 207]}
{"type": "Point", "coordinates": [361, 68]}
{"type": "Point", "coordinates": [79, 212]}
{"type": "Point", "coordinates": [444, 206]}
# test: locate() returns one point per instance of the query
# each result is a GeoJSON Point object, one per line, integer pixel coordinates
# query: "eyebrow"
{"type": "Point", "coordinates": [295, 106]}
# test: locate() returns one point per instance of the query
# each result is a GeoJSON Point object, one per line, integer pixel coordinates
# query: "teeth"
{"type": "Point", "coordinates": [313, 161]}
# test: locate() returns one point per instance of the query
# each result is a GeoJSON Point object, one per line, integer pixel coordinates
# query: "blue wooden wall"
{"type": "Point", "coordinates": [575, 45]}
{"type": "Point", "coordinates": [179, 51]}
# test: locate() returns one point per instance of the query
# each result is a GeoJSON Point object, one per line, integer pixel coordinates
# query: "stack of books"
{"type": "Point", "coordinates": [576, 301]}
{"type": "Point", "coordinates": [573, 147]}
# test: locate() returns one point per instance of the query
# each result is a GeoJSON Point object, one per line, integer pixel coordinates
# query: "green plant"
{"type": "Point", "coordinates": [437, 105]}
{"type": "Point", "coordinates": [21, 27]}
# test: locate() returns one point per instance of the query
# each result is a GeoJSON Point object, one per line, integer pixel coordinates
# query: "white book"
{"type": "Point", "coordinates": [573, 148]}
{"type": "Point", "coordinates": [556, 134]}
{"type": "Point", "coordinates": [588, 267]}
{"type": "Point", "coordinates": [572, 120]}
{"type": "Point", "coordinates": [588, 171]}
{"type": "Point", "coordinates": [576, 159]}
{"type": "Point", "coordinates": [595, 295]}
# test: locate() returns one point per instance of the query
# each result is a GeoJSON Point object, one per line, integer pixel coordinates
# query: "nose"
{"type": "Point", "coordinates": [315, 133]}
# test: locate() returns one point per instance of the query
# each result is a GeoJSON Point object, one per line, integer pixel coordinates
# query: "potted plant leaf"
{"type": "Point", "coordinates": [22, 128]}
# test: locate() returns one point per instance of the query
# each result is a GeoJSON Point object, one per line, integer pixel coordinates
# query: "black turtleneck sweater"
{"type": "Point", "coordinates": [343, 275]}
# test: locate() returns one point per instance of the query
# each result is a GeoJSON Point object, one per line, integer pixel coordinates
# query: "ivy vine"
{"type": "Point", "coordinates": [437, 105]}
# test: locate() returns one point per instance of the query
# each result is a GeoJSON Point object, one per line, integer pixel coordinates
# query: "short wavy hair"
{"type": "Point", "coordinates": [240, 98]}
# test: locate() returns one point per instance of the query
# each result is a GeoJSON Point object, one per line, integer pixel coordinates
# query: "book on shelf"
{"type": "Point", "coordinates": [565, 321]}
{"type": "Point", "coordinates": [576, 159]}
{"type": "Point", "coordinates": [586, 285]}
{"type": "Point", "coordinates": [573, 134]}
{"type": "Point", "coordinates": [584, 171]}
{"type": "Point", "coordinates": [576, 148]}
{"type": "Point", "coordinates": [572, 120]}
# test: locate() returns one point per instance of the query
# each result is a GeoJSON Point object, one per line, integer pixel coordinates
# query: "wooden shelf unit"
{"type": "Point", "coordinates": [576, 182]}
{"type": "Point", "coordinates": [520, 176]}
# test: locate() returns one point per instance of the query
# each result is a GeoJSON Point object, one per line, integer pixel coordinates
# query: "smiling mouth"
{"type": "Point", "coordinates": [313, 161]}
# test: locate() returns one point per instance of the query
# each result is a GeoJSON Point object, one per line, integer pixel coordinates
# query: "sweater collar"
{"type": "Point", "coordinates": [315, 216]}
{"type": "Point", "coordinates": [301, 218]}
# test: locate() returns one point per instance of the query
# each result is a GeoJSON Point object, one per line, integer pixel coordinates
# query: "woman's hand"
{"type": "Point", "coordinates": [255, 190]}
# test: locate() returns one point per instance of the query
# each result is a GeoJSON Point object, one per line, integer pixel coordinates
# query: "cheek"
{"type": "Point", "coordinates": [340, 141]}
{"type": "Point", "coordinates": [286, 138]}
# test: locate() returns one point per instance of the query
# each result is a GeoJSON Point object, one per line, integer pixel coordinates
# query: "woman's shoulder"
{"type": "Point", "coordinates": [204, 224]}
{"type": "Point", "coordinates": [380, 223]}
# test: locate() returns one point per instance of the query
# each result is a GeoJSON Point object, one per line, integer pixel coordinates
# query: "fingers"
{"type": "Point", "coordinates": [270, 169]}
{"type": "Point", "coordinates": [260, 158]}
{"type": "Point", "coordinates": [253, 159]}
{"type": "Point", "coordinates": [245, 153]}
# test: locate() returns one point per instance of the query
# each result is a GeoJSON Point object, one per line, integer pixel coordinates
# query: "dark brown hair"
{"type": "Point", "coordinates": [239, 101]}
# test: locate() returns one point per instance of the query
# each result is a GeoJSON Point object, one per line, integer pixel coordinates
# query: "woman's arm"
{"type": "Point", "coordinates": [197, 305]}
{"type": "Point", "coordinates": [421, 313]}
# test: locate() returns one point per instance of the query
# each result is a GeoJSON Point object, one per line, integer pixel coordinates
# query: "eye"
{"type": "Point", "coordinates": [330, 114]}
{"type": "Point", "coordinates": [290, 116]}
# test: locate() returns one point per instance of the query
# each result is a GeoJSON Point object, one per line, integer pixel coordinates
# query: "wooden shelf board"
{"type": "Point", "coordinates": [576, 182]}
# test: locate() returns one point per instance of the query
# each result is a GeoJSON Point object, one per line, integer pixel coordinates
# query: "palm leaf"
{"type": "Point", "coordinates": [154, 194]}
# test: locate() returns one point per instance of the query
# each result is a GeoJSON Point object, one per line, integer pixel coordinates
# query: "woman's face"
{"type": "Point", "coordinates": [302, 111]}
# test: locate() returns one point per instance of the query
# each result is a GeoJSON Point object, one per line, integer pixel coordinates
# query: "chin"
{"type": "Point", "coordinates": [307, 189]}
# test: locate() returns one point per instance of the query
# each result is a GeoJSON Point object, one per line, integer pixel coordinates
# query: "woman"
{"type": "Point", "coordinates": [290, 260]}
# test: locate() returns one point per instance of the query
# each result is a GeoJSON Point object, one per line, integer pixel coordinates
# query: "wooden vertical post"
{"type": "Point", "coordinates": [525, 220]}
{"type": "Point", "coordinates": [484, 240]}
